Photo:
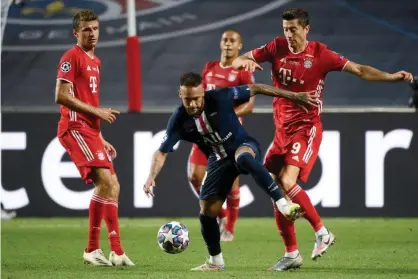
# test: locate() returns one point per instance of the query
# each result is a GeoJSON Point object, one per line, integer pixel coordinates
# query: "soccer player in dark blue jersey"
{"type": "Point", "coordinates": [209, 120]}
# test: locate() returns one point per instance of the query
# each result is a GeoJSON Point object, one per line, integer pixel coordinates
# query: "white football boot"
{"type": "Point", "coordinates": [322, 243]}
{"type": "Point", "coordinates": [96, 258]}
{"type": "Point", "coordinates": [227, 236]}
{"type": "Point", "coordinates": [121, 260]}
{"type": "Point", "coordinates": [287, 263]}
{"type": "Point", "coordinates": [290, 210]}
{"type": "Point", "coordinates": [207, 266]}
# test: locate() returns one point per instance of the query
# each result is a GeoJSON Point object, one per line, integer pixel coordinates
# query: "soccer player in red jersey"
{"type": "Point", "coordinates": [220, 74]}
{"type": "Point", "coordinates": [77, 91]}
{"type": "Point", "coordinates": [301, 66]}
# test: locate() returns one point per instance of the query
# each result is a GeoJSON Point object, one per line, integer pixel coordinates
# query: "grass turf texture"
{"type": "Point", "coordinates": [365, 248]}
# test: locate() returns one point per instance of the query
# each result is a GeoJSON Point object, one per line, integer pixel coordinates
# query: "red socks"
{"type": "Point", "coordinates": [102, 208]}
{"type": "Point", "coordinates": [299, 196]}
{"type": "Point", "coordinates": [232, 209]}
{"type": "Point", "coordinates": [96, 210]}
{"type": "Point", "coordinates": [286, 229]}
{"type": "Point", "coordinates": [222, 213]}
{"type": "Point", "coordinates": [112, 222]}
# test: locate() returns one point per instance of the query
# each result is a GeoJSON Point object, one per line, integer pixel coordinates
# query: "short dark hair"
{"type": "Point", "coordinates": [83, 15]}
{"type": "Point", "coordinates": [234, 31]}
{"type": "Point", "coordinates": [299, 14]}
{"type": "Point", "coordinates": [190, 79]}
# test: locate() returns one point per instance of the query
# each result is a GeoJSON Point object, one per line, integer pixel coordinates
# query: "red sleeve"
{"type": "Point", "coordinates": [67, 67]}
{"type": "Point", "coordinates": [205, 69]}
{"type": "Point", "coordinates": [264, 53]}
{"type": "Point", "coordinates": [332, 61]}
{"type": "Point", "coordinates": [246, 77]}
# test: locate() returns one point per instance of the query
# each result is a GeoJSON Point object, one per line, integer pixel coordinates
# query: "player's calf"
{"type": "Point", "coordinates": [232, 207]}
{"type": "Point", "coordinates": [105, 181]}
{"type": "Point", "coordinates": [245, 157]}
{"type": "Point", "coordinates": [296, 194]}
{"type": "Point", "coordinates": [210, 232]}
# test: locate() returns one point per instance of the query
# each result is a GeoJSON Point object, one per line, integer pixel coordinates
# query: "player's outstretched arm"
{"type": "Point", "coordinates": [246, 62]}
{"type": "Point", "coordinates": [63, 97]}
{"type": "Point", "coordinates": [158, 161]}
{"type": "Point", "coordinates": [245, 108]}
{"type": "Point", "coordinates": [301, 98]}
{"type": "Point", "coordinates": [372, 74]}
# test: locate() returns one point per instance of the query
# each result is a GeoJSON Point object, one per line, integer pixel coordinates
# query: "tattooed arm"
{"type": "Point", "coordinates": [303, 99]}
{"type": "Point", "coordinates": [170, 139]}
{"type": "Point", "coordinates": [157, 163]}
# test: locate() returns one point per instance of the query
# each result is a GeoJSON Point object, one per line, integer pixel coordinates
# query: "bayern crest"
{"type": "Point", "coordinates": [232, 77]}
{"type": "Point", "coordinates": [308, 62]}
{"type": "Point", "coordinates": [100, 155]}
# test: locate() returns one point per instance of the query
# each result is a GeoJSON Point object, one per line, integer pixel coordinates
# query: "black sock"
{"type": "Point", "coordinates": [260, 174]}
{"type": "Point", "coordinates": [211, 234]}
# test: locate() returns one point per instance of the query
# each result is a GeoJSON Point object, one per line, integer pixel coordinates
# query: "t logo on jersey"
{"type": "Point", "coordinates": [93, 84]}
{"type": "Point", "coordinates": [285, 74]}
{"type": "Point", "coordinates": [285, 77]}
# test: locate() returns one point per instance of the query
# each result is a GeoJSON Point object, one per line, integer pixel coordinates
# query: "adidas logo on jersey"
{"type": "Point", "coordinates": [88, 68]}
{"type": "Point", "coordinates": [296, 158]}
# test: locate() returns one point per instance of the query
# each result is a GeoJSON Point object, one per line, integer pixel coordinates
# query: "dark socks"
{"type": "Point", "coordinates": [260, 174]}
{"type": "Point", "coordinates": [211, 234]}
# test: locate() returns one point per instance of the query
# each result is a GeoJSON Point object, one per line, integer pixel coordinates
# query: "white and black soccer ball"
{"type": "Point", "coordinates": [173, 237]}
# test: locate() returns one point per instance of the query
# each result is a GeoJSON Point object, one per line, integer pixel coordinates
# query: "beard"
{"type": "Point", "coordinates": [195, 111]}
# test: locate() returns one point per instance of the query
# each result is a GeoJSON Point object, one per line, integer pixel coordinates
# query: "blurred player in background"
{"type": "Point", "coordinates": [77, 91]}
{"type": "Point", "coordinates": [299, 65]}
{"type": "Point", "coordinates": [220, 74]}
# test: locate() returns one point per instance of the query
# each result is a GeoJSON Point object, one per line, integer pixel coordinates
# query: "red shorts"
{"type": "Point", "coordinates": [300, 150]}
{"type": "Point", "coordinates": [86, 151]}
{"type": "Point", "coordinates": [197, 157]}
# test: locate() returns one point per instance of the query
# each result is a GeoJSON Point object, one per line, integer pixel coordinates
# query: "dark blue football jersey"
{"type": "Point", "coordinates": [217, 130]}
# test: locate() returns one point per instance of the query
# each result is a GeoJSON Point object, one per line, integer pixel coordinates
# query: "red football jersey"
{"type": "Point", "coordinates": [215, 76]}
{"type": "Point", "coordinates": [299, 72]}
{"type": "Point", "coordinates": [83, 71]}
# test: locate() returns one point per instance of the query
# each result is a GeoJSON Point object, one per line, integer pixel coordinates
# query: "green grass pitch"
{"type": "Point", "coordinates": [365, 248]}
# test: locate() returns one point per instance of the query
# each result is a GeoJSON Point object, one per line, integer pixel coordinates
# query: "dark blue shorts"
{"type": "Point", "coordinates": [220, 175]}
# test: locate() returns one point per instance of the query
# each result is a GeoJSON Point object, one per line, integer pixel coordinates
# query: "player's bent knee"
{"type": "Point", "coordinates": [287, 181]}
{"type": "Point", "coordinates": [103, 180]}
{"type": "Point", "coordinates": [196, 175]}
{"type": "Point", "coordinates": [243, 150]}
{"type": "Point", "coordinates": [234, 194]}
{"type": "Point", "coordinates": [196, 180]}
{"type": "Point", "coordinates": [114, 188]}
{"type": "Point", "coordinates": [211, 207]}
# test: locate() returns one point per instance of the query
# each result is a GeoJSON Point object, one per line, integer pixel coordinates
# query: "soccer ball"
{"type": "Point", "coordinates": [173, 237]}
